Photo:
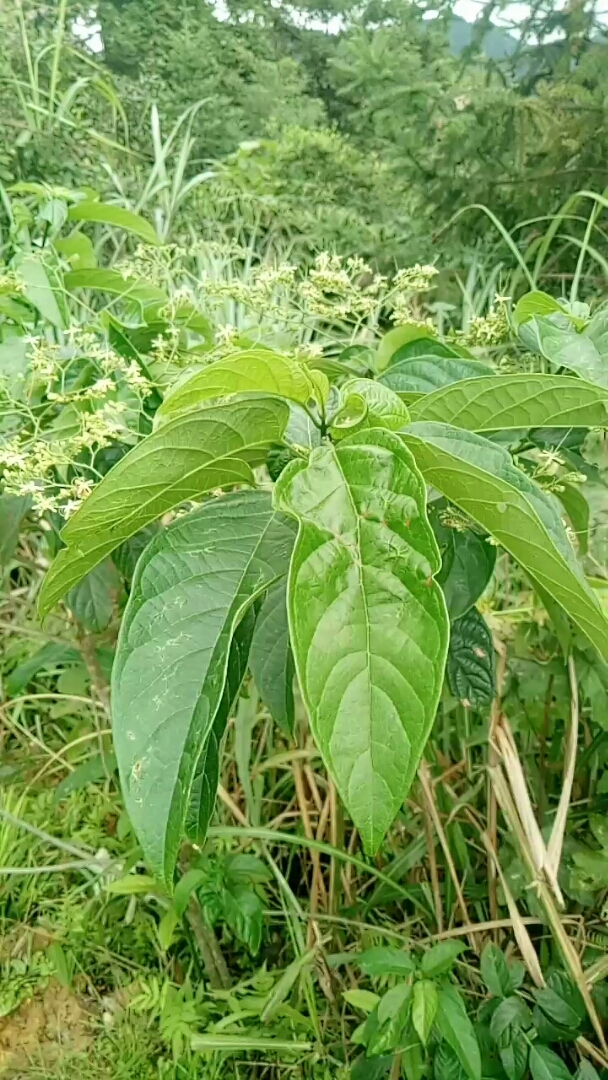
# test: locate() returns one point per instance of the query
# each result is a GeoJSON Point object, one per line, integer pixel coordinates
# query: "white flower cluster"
{"type": "Point", "coordinates": [35, 461]}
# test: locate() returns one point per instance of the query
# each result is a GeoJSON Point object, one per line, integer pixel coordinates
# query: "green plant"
{"type": "Point", "coordinates": [336, 564]}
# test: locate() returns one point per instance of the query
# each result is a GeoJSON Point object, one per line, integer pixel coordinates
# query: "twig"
{"type": "Point", "coordinates": [556, 840]}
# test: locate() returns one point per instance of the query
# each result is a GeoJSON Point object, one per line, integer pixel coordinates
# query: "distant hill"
{"type": "Point", "coordinates": [497, 44]}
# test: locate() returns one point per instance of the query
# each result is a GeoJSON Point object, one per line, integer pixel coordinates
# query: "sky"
{"type": "Point", "coordinates": [511, 15]}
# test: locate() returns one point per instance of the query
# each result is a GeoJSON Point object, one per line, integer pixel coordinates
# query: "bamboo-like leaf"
{"type": "Point", "coordinates": [516, 401]}
{"type": "Point", "coordinates": [199, 452]}
{"type": "Point", "coordinates": [480, 477]}
{"type": "Point", "coordinates": [253, 370]}
{"type": "Point", "coordinates": [192, 587]}
{"type": "Point", "coordinates": [368, 623]}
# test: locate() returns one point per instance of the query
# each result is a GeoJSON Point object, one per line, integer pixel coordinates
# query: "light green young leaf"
{"type": "Point", "coordinates": [424, 374]}
{"type": "Point", "coordinates": [368, 623]}
{"type": "Point", "coordinates": [250, 371]}
{"type": "Point", "coordinates": [480, 478]}
{"type": "Point", "coordinates": [577, 509]}
{"type": "Point", "coordinates": [271, 659]}
{"type": "Point", "coordinates": [457, 1030]}
{"type": "Point", "coordinates": [102, 213]}
{"type": "Point", "coordinates": [195, 453]}
{"type": "Point", "coordinates": [516, 401]}
{"type": "Point", "coordinates": [192, 586]}
{"type": "Point", "coordinates": [365, 1000]}
{"type": "Point", "coordinates": [425, 1002]}
{"type": "Point", "coordinates": [555, 338]}
{"type": "Point", "coordinates": [384, 408]}
{"type": "Point", "coordinates": [534, 303]}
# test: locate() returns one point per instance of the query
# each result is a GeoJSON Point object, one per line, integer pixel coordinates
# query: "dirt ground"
{"type": "Point", "coordinates": [42, 1029]}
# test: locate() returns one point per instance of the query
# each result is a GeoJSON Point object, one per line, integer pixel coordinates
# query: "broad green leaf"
{"type": "Point", "coordinates": [384, 408]}
{"type": "Point", "coordinates": [368, 623]}
{"type": "Point", "coordinates": [555, 338]}
{"type": "Point", "coordinates": [91, 600]}
{"type": "Point", "coordinates": [194, 454]}
{"type": "Point", "coordinates": [516, 401]}
{"type": "Point", "coordinates": [546, 1065]}
{"type": "Point", "coordinates": [495, 971]}
{"type": "Point", "coordinates": [206, 777]}
{"type": "Point", "coordinates": [425, 1001]}
{"type": "Point", "coordinates": [457, 1030]}
{"type": "Point", "coordinates": [112, 282]}
{"type": "Point", "coordinates": [586, 1071]}
{"type": "Point", "coordinates": [365, 1000]}
{"type": "Point", "coordinates": [102, 213]}
{"type": "Point", "coordinates": [467, 564]}
{"type": "Point", "coordinates": [13, 509]}
{"type": "Point", "coordinates": [535, 303]}
{"type": "Point", "coordinates": [424, 374]}
{"type": "Point", "coordinates": [396, 338]}
{"type": "Point", "coordinates": [446, 1065]}
{"type": "Point", "coordinates": [514, 1057]}
{"type": "Point", "coordinates": [271, 659]}
{"type": "Point", "coordinates": [78, 250]}
{"type": "Point", "coordinates": [192, 587]}
{"type": "Point", "coordinates": [39, 290]}
{"type": "Point", "coordinates": [470, 666]}
{"type": "Point", "coordinates": [251, 371]}
{"type": "Point", "coordinates": [480, 478]}
{"type": "Point", "coordinates": [385, 960]}
{"type": "Point", "coordinates": [511, 1016]}
{"type": "Point", "coordinates": [350, 415]}
{"type": "Point", "coordinates": [441, 957]}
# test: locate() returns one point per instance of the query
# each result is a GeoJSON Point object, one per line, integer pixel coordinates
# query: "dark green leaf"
{"type": "Point", "coordinates": [455, 1027]}
{"type": "Point", "coordinates": [441, 957]}
{"type": "Point", "coordinates": [13, 509]}
{"type": "Point", "coordinates": [271, 659]}
{"type": "Point", "coordinates": [546, 1065]}
{"type": "Point", "coordinates": [480, 478]}
{"type": "Point", "coordinates": [370, 671]}
{"type": "Point", "coordinates": [470, 666]}
{"type": "Point", "coordinates": [48, 656]}
{"type": "Point", "coordinates": [91, 601]}
{"type": "Point", "coordinates": [446, 1065]}
{"type": "Point", "coordinates": [371, 1068]}
{"type": "Point", "coordinates": [495, 971]}
{"type": "Point", "coordinates": [193, 454]}
{"type": "Point", "coordinates": [125, 557]}
{"type": "Point", "coordinates": [510, 1017]}
{"type": "Point", "coordinates": [191, 588]}
{"type": "Point", "coordinates": [514, 1057]}
{"type": "Point", "coordinates": [423, 375]}
{"type": "Point", "coordinates": [206, 776]}
{"type": "Point", "coordinates": [467, 565]}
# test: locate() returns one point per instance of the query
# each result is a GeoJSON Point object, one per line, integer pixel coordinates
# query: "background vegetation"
{"type": "Point", "coordinates": [254, 137]}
